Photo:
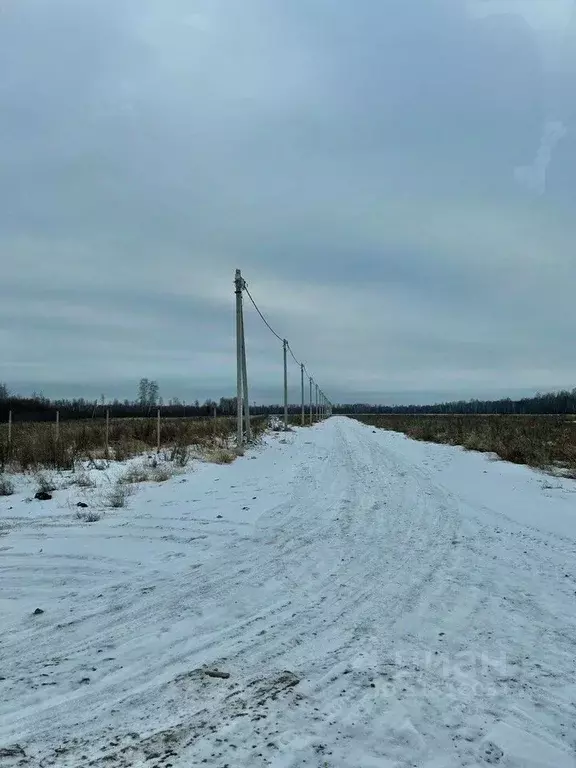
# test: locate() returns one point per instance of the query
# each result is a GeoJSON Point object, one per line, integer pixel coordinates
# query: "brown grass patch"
{"type": "Point", "coordinates": [547, 442]}
{"type": "Point", "coordinates": [221, 456]}
{"type": "Point", "coordinates": [34, 445]}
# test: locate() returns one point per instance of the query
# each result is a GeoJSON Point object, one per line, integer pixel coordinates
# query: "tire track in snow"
{"type": "Point", "coordinates": [363, 576]}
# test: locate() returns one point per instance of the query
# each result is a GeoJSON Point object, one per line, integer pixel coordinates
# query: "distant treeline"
{"type": "Point", "coordinates": [40, 408]}
{"type": "Point", "coordinates": [550, 403]}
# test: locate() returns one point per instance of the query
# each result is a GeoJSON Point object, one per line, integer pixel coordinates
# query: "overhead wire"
{"type": "Point", "coordinates": [261, 315]}
{"type": "Point", "coordinates": [277, 335]}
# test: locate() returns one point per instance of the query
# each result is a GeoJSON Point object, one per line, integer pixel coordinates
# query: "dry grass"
{"type": "Point", "coordinates": [117, 497]}
{"type": "Point", "coordinates": [179, 455]}
{"type": "Point", "coordinates": [221, 456]}
{"type": "Point", "coordinates": [161, 474]}
{"type": "Point", "coordinates": [45, 483]}
{"type": "Point", "coordinates": [137, 473]}
{"type": "Point", "coordinates": [6, 487]}
{"type": "Point", "coordinates": [89, 517]}
{"type": "Point", "coordinates": [547, 442]}
{"type": "Point", "coordinates": [83, 480]}
{"type": "Point", "coordinates": [34, 445]}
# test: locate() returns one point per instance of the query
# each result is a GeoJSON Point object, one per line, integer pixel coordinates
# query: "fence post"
{"type": "Point", "coordinates": [239, 395]}
{"type": "Point", "coordinates": [107, 433]}
{"type": "Point", "coordinates": [285, 385]}
{"type": "Point", "coordinates": [158, 430]}
{"type": "Point", "coordinates": [311, 400]}
{"type": "Point", "coordinates": [57, 431]}
{"type": "Point", "coordinates": [303, 406]}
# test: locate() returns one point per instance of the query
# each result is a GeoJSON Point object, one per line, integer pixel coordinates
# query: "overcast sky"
{"type": "Point", "coordinates": [395, 178]}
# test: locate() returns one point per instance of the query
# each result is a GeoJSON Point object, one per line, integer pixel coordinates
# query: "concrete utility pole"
{"type": "Point", "coordinates": [239, 283]}
{"type": "Point", "coordinates": [285, 385]}
{"type": "Point", "coordinates": [248, 428]}
{"type": "Point", "coordinates": [317, 400]}
{"type": "Point", "coordinates": [311, 400]}
{"type": "Point", "coordinates": [303, 405]}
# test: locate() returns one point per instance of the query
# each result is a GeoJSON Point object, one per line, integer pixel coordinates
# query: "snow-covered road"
{"type": "Point", "coordinates": [376, 603]}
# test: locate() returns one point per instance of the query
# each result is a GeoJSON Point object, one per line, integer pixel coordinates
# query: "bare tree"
{"type": "Point", "coordinates": [143, 389]}
{"type": "Point", "coordinates": [153, 393]}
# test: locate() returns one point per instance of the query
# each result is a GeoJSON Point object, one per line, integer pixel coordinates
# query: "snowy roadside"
{"type": "Point", "coordinates": [338, 597]}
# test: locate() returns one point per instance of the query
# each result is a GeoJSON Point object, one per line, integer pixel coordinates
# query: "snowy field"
{"type": "Point", "coordinates": [338, 597]}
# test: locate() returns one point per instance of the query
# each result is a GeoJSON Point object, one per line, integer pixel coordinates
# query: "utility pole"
{"type": "Point", "coordinates": [239, 282]}
{"type": "Point", "coordinates": [311, 399]}
{"type": "Point", "coordinates": [248, 429]}
{"type": "Point", "coordinates": [317, 401]}
{"type": "Point", "coordinates": [303, 406]}
{"type": "Point", "coordinates": [285, 385]}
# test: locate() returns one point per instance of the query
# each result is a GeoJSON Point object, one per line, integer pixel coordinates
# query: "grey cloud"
{"type": "Point", "coordinates": [358, 164]}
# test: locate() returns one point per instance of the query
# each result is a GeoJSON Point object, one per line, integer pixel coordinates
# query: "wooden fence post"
{"type": "Point", "coordinates": [158, 431]}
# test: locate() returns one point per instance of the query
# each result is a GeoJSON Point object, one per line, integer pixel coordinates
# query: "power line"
{"type": "Point", "coordinates": [293, 356]}
{"type": "Point", "coordinates": [261, 315]}
{"type": "Point", "coordinates": [256, 307]}
{"type": "Point", "coordinates": [322, 402]}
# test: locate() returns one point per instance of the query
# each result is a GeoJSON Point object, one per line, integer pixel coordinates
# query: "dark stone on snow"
{"type": "Point", "coordinates": [14, 751]}
{"type": "Point", "coordinates": [43, 496]}
{"type": "Point", "coordinates": [38, 612]}
{"type": "Point", "coordinates": [82, 505]}
{"type": "Point", "coordinates": [218, 674]}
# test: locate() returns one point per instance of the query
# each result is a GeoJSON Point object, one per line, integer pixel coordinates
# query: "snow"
{"type": "Point", "coordinates": [376, 602]}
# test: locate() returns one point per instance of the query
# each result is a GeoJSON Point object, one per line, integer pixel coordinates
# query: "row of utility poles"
{"type": "Point", "coordinates": [316, 407]}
